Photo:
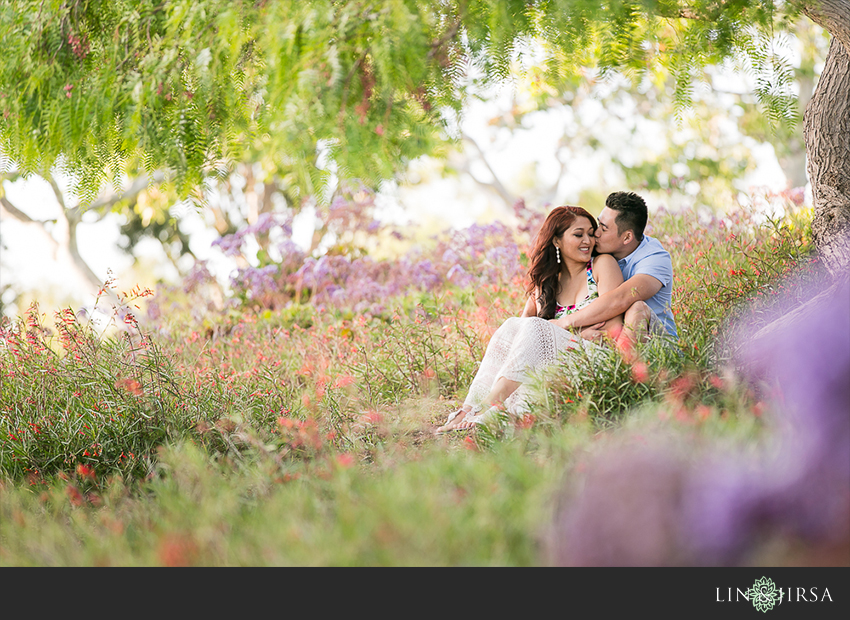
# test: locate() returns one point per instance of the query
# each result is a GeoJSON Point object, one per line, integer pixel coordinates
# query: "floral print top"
{"type": "Point", "coordinates": [592, 293]}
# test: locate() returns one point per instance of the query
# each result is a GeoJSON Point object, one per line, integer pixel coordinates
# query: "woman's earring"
{"type": "Point", "coordinates": [558, 253]}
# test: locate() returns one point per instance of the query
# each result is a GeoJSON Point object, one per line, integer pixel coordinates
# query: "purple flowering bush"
{"type": "Point", "coordinates": [480, 255]}
{"type": "Point", "coordinates": [343, 276]}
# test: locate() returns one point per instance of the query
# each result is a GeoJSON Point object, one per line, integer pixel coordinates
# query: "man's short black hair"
{"type": "Point", "coordinates": [631, 212]}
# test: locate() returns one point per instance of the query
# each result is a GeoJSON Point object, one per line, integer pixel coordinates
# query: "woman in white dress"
{"type": "Point", "coordinates": [564, 276]}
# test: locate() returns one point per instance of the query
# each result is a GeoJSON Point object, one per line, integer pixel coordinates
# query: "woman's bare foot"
{"type": "Point", "coordinates": [472, 421]}
{"type": "Point", "coordinates": [452, 422]}
{"type": "Point", "coordinates": [465, 425]}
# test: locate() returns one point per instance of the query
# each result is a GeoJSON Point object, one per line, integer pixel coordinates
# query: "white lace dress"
{"type": "Point", "coordinates": [522, 347]}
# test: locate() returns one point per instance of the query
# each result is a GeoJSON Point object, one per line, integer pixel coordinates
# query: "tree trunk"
{"type": "Point", "coordinates": [73, 217]}
{"type": "Point", "coordinates": [793, 161]}
{"type": "Point", "coordinates": [826, 128]}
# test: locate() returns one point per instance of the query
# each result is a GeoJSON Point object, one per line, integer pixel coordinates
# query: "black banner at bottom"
{"type": "Point", "coordinates": [391, 592]}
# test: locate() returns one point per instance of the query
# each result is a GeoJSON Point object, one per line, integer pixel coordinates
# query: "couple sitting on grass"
{"type": "Point", "coordinates": [590, 285]}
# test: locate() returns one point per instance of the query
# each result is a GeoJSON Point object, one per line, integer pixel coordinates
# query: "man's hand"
{"type": "Point", "coordinates": [594, 332]}
{"type": "Point", "coordinates": [564, 322]}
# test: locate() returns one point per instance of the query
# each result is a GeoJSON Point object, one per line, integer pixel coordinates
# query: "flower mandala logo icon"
{"type": "Point", "coordinates": [763, 594]}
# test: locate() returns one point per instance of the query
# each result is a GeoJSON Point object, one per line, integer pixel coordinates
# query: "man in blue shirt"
{"type": "Point", "coordinates": [644, 298]}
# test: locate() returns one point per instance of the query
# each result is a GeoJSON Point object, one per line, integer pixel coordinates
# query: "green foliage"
{"type": "Point", "coordinates": [442, 510]}
{"type": "Point", "coordinates": [304, 436]}
{"type": "Point", "coordinates": [228, 379]}
{"type": "Point", "coordinates": [731, 265]}
{"type": "Point", "coordinates": [94, 85]}
{"type": "Point", "coordinates": [82, 406]}
{"type": "Point", "coordinates": [602, 385]}
{"type": "Point", "coordinates": [317, 88]}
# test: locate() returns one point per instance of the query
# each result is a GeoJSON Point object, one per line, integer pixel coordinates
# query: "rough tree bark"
{"type": "Point", "coordinates": [826, 128]}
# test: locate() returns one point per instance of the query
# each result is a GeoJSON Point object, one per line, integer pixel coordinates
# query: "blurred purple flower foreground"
{"type": "Point", "coordinates": [650, 503]}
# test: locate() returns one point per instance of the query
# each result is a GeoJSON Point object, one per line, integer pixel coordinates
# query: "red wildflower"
{"type": "Point", "coordinates": [176, 550]}
{"type": "Point", "coordinates": [85, 471]}
{"type": "Point", "coordinates": [526, 421]}
{"type": "Point", "coordinates": [74, 496]}
{"type": "Point", "coordinates": [130, 385]}
{"type": "Point", "coordinates": [640, 372]}
{"type": "Point", "coordinates": [371, 417]}
{"type": "Point", "coordinates": [344, 460]}
{"type": "Point", "coordinates": [681, 387]}
{"type": "Point", "coordinates": [682, 415]}
{"type": "Point", "coordinates": [716, 381]}
{"type": "Point", "coordinates": [343, 381]}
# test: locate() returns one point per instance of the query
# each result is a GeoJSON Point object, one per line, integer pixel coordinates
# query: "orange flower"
{"type": "Point", "coordinates": [371, 417]}
{"type": "Point", "coordinates": [175, 550]}
{"type": "Point", "coordinates": [85, 471]}
{"type": "Point", "coordinates": [703, 412]}
{"type": "Point", "coordinates": [345, 460]}
{"type": "Point", "coordinates": [76, 498]}
{"type": "Point", "coordinates": [343, 381]}
{"type": "Point", "coordinates": [306, 369]}
{"type": "Point", "coordinates": [716, 381]}
{"type": "Point", "coordinates": [526, 421]}
{"type": "Point", "coordinates": [681, 387]}
{"type": "Point", "coordinates": [682, 414]}
{"type": "Point", "coordinates": [131, 385]}
{"type": "Point", "coordinates": [640, 372]}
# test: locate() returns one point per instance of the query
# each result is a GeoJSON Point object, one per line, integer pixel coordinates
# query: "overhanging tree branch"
{"type": "Point", "coordinates": [17, 213]}
{"type": "Point", "coordinates": [495, 184]}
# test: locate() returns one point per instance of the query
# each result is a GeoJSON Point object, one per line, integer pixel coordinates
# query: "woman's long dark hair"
{"type": "Point", "coordinates": [544, 269]}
